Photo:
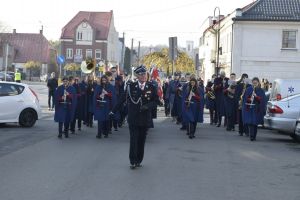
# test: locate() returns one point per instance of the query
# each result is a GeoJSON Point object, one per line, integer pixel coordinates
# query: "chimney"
{"type": "Point", "coordinates": [14, 31]}
{"type": "Point", "coordinates": [238, 12]}
{"type": "Point", "coordinates": [41, 31]}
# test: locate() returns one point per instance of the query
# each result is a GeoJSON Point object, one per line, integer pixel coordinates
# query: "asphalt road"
{"type": "Point", "coordinates": [36, 165]}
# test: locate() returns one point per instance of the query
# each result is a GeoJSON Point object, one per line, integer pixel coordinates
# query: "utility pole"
{"type": "Point", "coordinates": [122, 53]}
{"type": "Point", "coordinates": [6, 60]}
{"type": "Point", "coordinates": [131, 53]}
{"type": "Point", "coordinates": [139, 49]}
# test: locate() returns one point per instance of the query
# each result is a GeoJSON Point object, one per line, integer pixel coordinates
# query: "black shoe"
{"type": "Point", "coordinates": [191, 137]}
{"type": "Point", "coordinates": [106, 136]}
{"type": "Point", "coordinates": [228, 129]}
{"type": "Point", "coordinates": [116, 129]}
{"type": "Point", "coordinates": [132, 166]}
{"type": "Point", "coordinates": [66, 135]}
{"type": "Point", "coordinates": [138, 165]}
{"type": "Point", "coordinates": [73, 132]}
{"type": "Point", "coordinates": [240, 134]}
{"type": "Point", "coordinates": [183, 128]}
{"type": "Point", "coordinates": [59, 136]}
{"type": "Point", "coordinates": [79, 129]}
{"type": "Point", "coordinates": [98, 136]}
{"type": "Point", "coordinates": [218, 125]}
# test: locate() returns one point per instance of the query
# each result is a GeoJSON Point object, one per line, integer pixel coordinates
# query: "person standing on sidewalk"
{"type": "Point", "coordinates": [17, 76]}
{"type": "Point", "coordinates": [52, 84]}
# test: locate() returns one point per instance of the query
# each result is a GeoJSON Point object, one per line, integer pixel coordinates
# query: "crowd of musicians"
{"type": "Point", "coordinates": [112, 98]}
{"type": "Point", "coordinates": [228, 100]}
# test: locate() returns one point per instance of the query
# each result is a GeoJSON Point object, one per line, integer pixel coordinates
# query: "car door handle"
{"type": "Point", "coordinates": [20, 101]}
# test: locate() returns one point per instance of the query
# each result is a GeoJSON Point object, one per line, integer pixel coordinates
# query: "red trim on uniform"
{"type": "Point", "coordinates": [258, 98]}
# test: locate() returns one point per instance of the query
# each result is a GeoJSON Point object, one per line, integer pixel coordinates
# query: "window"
{"type": "Point", "coordinates": [79, 52]}
{"type": "Point", "coordinates": [69, 53]}
{"type": "Point", "coordinates": [289, 39]}
{"type": "Point", "coordinates": [89, 53]}
{"type": "Point", "coordinates": [98, 54]}
{"type": "Point", "coordinates": [10, 90]}
{"type": "Point", "coordinates": [79, 35]}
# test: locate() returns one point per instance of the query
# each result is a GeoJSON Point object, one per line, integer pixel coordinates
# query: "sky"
{"type": "Point", "coordinates": [151, 22]}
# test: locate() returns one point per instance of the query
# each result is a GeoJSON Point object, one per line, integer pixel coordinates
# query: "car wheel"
{"type": "Point", "coordinates": [295, 137]}
{"type": "Point", "coordinates": [27, 118]}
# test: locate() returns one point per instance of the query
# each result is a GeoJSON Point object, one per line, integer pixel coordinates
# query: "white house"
{"type": "Point", "coordinates": [261, 39]}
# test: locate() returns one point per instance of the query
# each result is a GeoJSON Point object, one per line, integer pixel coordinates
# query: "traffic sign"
{"type": "Point", "coordinates": [61, 59]}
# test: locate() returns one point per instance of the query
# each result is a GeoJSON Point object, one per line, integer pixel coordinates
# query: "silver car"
{"type": "Point", "coordinates": [296, 135]}
{"type": "Point", "coordinates": [282, 115]}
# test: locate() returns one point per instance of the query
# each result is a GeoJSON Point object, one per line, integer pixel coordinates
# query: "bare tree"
{"type": "Point", "coordinates": [4, 28]}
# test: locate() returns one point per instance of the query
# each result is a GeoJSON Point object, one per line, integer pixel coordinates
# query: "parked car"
{"type": "Point", "coordinates": [8, 77]}
{"type": "Point", "coordinates": [282, 114]}
{"type": "Point", "coordinates": [296, 135]}
{"type": "Point", "coordinates": [18, 103]}
{"type": "Point", "coordinates": [282, 88]}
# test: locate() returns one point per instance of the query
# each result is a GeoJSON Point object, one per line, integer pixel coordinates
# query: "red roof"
{"type": "Point", "coordinates": [29, 46]}
{"type": "Point", "coordinates": [100, 21]}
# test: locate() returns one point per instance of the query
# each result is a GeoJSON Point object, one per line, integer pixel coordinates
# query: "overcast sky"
{"type": "Point", "coordinates": [150, 22]}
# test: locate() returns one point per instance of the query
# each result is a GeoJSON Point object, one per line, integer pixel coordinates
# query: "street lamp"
{"type": "Point", "coordinates": [215, 20]}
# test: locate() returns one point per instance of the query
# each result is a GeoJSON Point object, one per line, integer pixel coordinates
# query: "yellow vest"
{"type": "Point", "coordinates": [17, 76]}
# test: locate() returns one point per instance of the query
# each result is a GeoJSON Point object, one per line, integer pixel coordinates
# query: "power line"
{"type": "Point", "coordinates": [163, 32]}
{"type": "Point", "coordinates": [162, 10]}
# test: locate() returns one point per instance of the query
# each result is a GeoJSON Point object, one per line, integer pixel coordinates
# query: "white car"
{"type": "Point", "coordinates": [18, 103]}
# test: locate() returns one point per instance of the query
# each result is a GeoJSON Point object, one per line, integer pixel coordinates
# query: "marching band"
{"type": "Point", "coordinates": [113, 98]}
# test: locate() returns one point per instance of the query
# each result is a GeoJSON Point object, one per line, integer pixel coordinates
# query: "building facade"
{"type": "Point", "coordinates": [91, 35]}
{"type": "Point", "coordinates": [262, 39]}
{"type": "Point", "coordinates": [19, 48]}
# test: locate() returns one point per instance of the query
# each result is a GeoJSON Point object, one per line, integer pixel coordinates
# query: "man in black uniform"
{"type": "Point", "coordinates": [52, 84]}
{"type": "Point", "coordinates": [141, 99]}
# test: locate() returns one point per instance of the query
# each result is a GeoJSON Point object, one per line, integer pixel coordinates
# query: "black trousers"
{"type": "Point", "coordinates": [252, 131]}
{"type": "Point", "coordinates": [50, 96]}
{"type": "Point", "coordinates": [191, 128]}
{"type": "Point", "coordinates": [103, 127]}
{"type": "Point", "coordinates": [137, 143]}
{"type": "Point", "coordinates": [213, 116]}
{"type": "Point", "coordinates": [242, 127]}
{"type": "Point", "coordinates": [73, 124]}
{"type": "Point", "coordinates": [89, 120]}
{"type": "Point", "coordinates": [114, 123]}
{"type": "Point", "coordinates": [167, 108]}
{"type": "Point", "coordinates": [230, 123]}
{"type": "Point", "coordinates": [64, 125]}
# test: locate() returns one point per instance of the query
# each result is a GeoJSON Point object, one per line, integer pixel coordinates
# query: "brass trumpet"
{"type": "Point", "coordinates": [211, 95]}
{"type": "Point", "coordinates": [189, 100]}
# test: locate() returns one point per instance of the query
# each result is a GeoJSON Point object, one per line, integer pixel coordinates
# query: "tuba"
{"type": "Point", "coordinates": [87, 66]}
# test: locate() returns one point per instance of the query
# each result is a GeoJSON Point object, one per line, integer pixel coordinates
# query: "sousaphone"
{"type": "Point", "coordinates": [87, 66]}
